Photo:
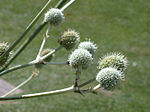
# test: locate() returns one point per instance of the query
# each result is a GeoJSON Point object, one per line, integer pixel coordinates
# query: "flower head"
{"type": "Point", "coordinates": [91, 47]}
{"type": "Point", "coordinates": [109, 78]}
{"type": "Point", "coordinates": [69, 39]}
{"type": "Point", "coordinates": [3, 48]}
{"type": "Point", "coordinates": [116, 60]}
{"type": "Point", "coordinates": [80, 57]}
{"type": "Point", "coordinates": [54, 16]}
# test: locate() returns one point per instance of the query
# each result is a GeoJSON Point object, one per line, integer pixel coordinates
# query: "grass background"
{"type": "Point", "coordinates": [114, 25]}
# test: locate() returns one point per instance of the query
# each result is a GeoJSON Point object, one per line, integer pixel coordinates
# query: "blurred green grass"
{"type": "Point", "coordinates": [114, 25]}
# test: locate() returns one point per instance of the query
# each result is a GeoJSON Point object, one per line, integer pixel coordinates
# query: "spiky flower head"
{"type": "Point", "coordinates": [69, 39]}
{"type": "Point", "coordinates": [3, 47]}
{"type": "Point", "coordinates": [54, 16]}
{"type": "Point", "coordinates": [116, 60]}
{"type": "Point", "coordinates": [109, 78]}
{"type": "Point", "coordinates": [91, 47]}
{"type": "Point", "coordinates": [80, 58]}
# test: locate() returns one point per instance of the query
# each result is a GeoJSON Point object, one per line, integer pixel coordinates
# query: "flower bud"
{"type": "Point", "coordinates": [54, 16]}
{"type": "Point", "coordinates": [116, 60]}
{"type": "Point", "coordinates": [80, 58]}
{"type": "Point", "coordinates": [109, 78]}
{"type": "Point", "coordinates": [69, 39]}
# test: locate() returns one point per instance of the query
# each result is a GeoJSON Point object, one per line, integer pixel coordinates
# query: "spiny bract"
{"type": "Point", "coordinates": [3, 47]}
{"type": "Point", "coordinates": [116, 60]}
{"type": "Point", "coordinates": [80, 57]}
{"type": "Point", "coordinates": [69, 39]}
{"type": "Point", "coordinates": [109, 78]}
{"type": "Point", "coordinates": [91, 47]}
{"type": "Point", "coordinates": [54, 16]}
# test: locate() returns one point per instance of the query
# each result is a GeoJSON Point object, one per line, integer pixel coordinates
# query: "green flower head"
{"type": "Point", "coordinates": [69, 39]}
{"type": "Point", "coordinates": [116, 60]}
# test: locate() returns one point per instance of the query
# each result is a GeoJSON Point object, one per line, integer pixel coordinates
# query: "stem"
{"type": "Point", "coordinates": [55, 92]}
{"type": "Point", "coordinates": [20, 85]}
{"type": "Point", "coordinates": [50, 53]}
{"type": "Point", "coordinates": [67, 5]}
{"type": "Point", "coordinates": [55, 63]}
{"type": "Point", "coordinates": [60, 4]}
{"type": "Point", "coordinates": [41, 48]}
{"type": "Point", "coordinates": [26, 30]}
{"type": "Point", "coordinates": [96, 87]}
{"type": "Point", "coordinates": [23, 46]}
{"type": "Point", "coordinates": [17, 67]}
{"type": "Point", "coordinates": [87, 82]}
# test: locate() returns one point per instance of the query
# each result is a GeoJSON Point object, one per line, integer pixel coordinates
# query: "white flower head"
{"type": "Point", "coordinates": [91, 47]}
{"type": "Point", "coordinates": [69, 39]}
{"type": "Point", "coordinates": [116, 60]}
{"type": "Point", "coordinates": [54, 16]}
{"type": "Point", "coordinates": [80, 57]}
{"type": "Point", "coordinates": [109, 78]}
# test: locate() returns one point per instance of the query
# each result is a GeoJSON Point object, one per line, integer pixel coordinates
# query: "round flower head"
{"type": "Point", "coordinates": [80, 57]}
{"type": "Point", "coordinates": [91, 47]}
{"type": "Point", "coordinates": [109, 78]}
{"type": "Point", "coordinates": [3, 47]}
{"type": "Point", "coordinates": [69, 39]}
{"type": "Point", "coordinates": [54, 16]}
{"type": "Point", "coordinates": [116, 60]}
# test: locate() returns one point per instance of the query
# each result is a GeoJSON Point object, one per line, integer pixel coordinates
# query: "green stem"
{"type": "Point", "coordinates": [17, 67]}
{"type": "Point", "coordinates": [87, 82]}
{"type": "Point", "coordinates": [23, 46]}
{"type": "Point", "coordinates": [26, 30]}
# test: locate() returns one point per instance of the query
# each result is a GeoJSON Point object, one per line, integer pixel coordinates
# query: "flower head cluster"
{"type": "Point", "coordinates": [54, 16]}
{"type": "Point", "coordinates": [69, 39]}
{"type": "Point", "coordinates": [109, 78]}
{"type": "Point", "coordinates": [91, 47]}
{"type": "Point", "coordinates": [3, 47]}
{"type": "Point", "coordinates": [116, 60]}
{"type": "Point", "coordinates": [80, 57]}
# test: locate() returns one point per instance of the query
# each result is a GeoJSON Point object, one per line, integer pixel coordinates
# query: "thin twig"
{"type": "Point", "coordinates": [41, 48]}
{"type": "Point", "coordinates": [50, 53]}
{"type": "Point", "coordinates": [87, 82]}
{"type": "Point", "coordinates": [55, 63]}
{"type": "Point", "coordinates": [18, 67]}
{"type": "Point", "coordinates": [67, 5]}
{"type": "Point", "coordinates": [20, 85]}
{"type": "Point", "coordinates": [55, 92]}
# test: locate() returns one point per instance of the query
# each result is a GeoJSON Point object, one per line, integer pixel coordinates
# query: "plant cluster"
{"type": "Point", "coordinates": [111, 67]}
